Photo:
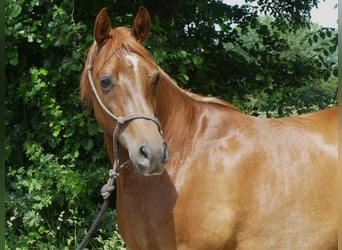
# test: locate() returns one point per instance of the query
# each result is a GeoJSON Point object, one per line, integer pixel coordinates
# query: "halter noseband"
{"type": "Point", "coordinates": [120, 121]}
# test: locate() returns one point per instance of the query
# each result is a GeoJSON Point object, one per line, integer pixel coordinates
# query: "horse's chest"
{"type": "Point", "coordinates": [161, 217]}
{"type": "Point", "coordinates": [145, 215]}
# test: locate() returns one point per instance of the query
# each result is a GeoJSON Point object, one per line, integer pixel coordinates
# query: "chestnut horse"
{"type": "Point", "coordinates": [214, 178]}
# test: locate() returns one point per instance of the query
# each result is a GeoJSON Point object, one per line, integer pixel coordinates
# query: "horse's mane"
{"type": "Point", "coordinates": [121, 39]}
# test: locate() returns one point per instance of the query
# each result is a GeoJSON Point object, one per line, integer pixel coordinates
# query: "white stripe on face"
{"type": "Point", "coordinates": [133, 59]}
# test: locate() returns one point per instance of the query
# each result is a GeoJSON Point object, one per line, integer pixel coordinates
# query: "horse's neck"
{"type": "Point", "coordinates": [177, 112]}
{"type": "Point", "coordinates": [173, 105]}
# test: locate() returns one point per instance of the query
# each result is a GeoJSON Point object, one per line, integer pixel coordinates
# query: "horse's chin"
{"type": "Point", "coordinates": [148, 171]}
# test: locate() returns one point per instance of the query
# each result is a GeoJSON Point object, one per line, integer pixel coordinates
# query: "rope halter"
{"type": "Point", "coordinates": [120, 122]}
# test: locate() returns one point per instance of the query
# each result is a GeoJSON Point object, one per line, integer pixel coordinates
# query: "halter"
{"type": "Point", "coordinates": [120, 122]}
{"type": "Point", "coordinates": [107, 189]}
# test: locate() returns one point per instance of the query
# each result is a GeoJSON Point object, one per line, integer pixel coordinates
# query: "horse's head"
{"type": "Point", "coordinates": [120, 80]}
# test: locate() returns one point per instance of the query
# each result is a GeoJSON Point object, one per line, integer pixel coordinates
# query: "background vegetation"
{"type": "Point", "coordinates": [271, 66]}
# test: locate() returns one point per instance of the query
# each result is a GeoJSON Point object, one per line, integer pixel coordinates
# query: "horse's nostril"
{"type": "Point", "coordinates": [145, 152]}
{"type": "Point", "coordinates": [166, 153]}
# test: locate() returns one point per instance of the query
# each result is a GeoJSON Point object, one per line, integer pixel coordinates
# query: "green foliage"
{"type": "Point", "coordinates": [295, 13]}
{"type": "Point", "coordinates": [287, 73]}
{"type": "Point", "coordinates": [256, 63]}
{"type": "Point", "coordinates": [55, 158]}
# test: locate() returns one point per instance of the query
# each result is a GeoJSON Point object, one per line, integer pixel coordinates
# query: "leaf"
{"type": "Point", "coordinates": [259, 77]}
{"type": "Point", "coordinates": [76, 154]}
{"type": "Point", "coordinates": [16, 10]}
{"type": "Point", "coordinates": [43, 71]}
{"type": "Point", "coordinates": [184, 78]}
{"type": "Point", "coordinates": [335, 72]}
{"type": "Point", "coordinates": [88, 144]}
{"type": "Point", "coordinates": [326, 52]}
{"type": "Point", "coordinates": [329, 33]}
{"type": "Point", "coordinates": [56, 131]}
{"type": "Point", "coordinates": [14, 61]}
{"type": "Point", "coordinates": [197, 60]}
{"type": "Point", "coordinates": [68, 132]}
{"type": "Point", "coordinates": [322, 34]}
{"type": "Point", "coordinates": [315, 37]}
{"type": "Point", "coordinates": [182, 53]}
{"type": "Point", "coordinates": [93, 129]}
{"type": "Point", "coordinates": [332, 49]}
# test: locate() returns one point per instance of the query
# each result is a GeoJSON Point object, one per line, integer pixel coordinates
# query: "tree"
{"type": "Point", "coordinates": [55, 158]}
{"type": "Point", "coordinates": [233, 53]}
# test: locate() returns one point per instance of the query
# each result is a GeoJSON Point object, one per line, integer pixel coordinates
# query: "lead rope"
{"type": "Point", "coordinates": [108, 188]}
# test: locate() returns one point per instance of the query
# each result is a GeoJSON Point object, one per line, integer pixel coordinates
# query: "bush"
{"type": "Point", "coordinates": [55, 158]}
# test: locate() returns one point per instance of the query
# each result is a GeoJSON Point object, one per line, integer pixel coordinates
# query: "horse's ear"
{"type": "Point", "coordinates": [102, 27]}
{"type": "Point", "coordinates": [141, 25]}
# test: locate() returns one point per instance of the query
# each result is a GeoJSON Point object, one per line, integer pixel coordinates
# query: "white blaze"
{"type": "Point", "coordinates": [133, 59]}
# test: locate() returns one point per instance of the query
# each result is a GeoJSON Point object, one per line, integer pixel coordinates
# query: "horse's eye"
{"type": "Point", "coordinates": [106, 83]}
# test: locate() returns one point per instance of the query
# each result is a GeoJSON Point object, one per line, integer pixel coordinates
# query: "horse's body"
{"type": "Point", "coordinates": [232, 181]}
{"type": "Point", "coordinates": [235, 182]}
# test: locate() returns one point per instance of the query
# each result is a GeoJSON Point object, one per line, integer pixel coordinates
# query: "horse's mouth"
{"type": "Point", "coordinates": [142, 170]}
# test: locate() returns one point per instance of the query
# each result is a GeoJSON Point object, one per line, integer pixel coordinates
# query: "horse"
{"type": "Point", "coordinates": [199, 173]}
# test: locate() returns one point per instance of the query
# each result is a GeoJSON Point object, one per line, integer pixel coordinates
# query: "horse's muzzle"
{"type": "Point", "coordinates": [150, 159]}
